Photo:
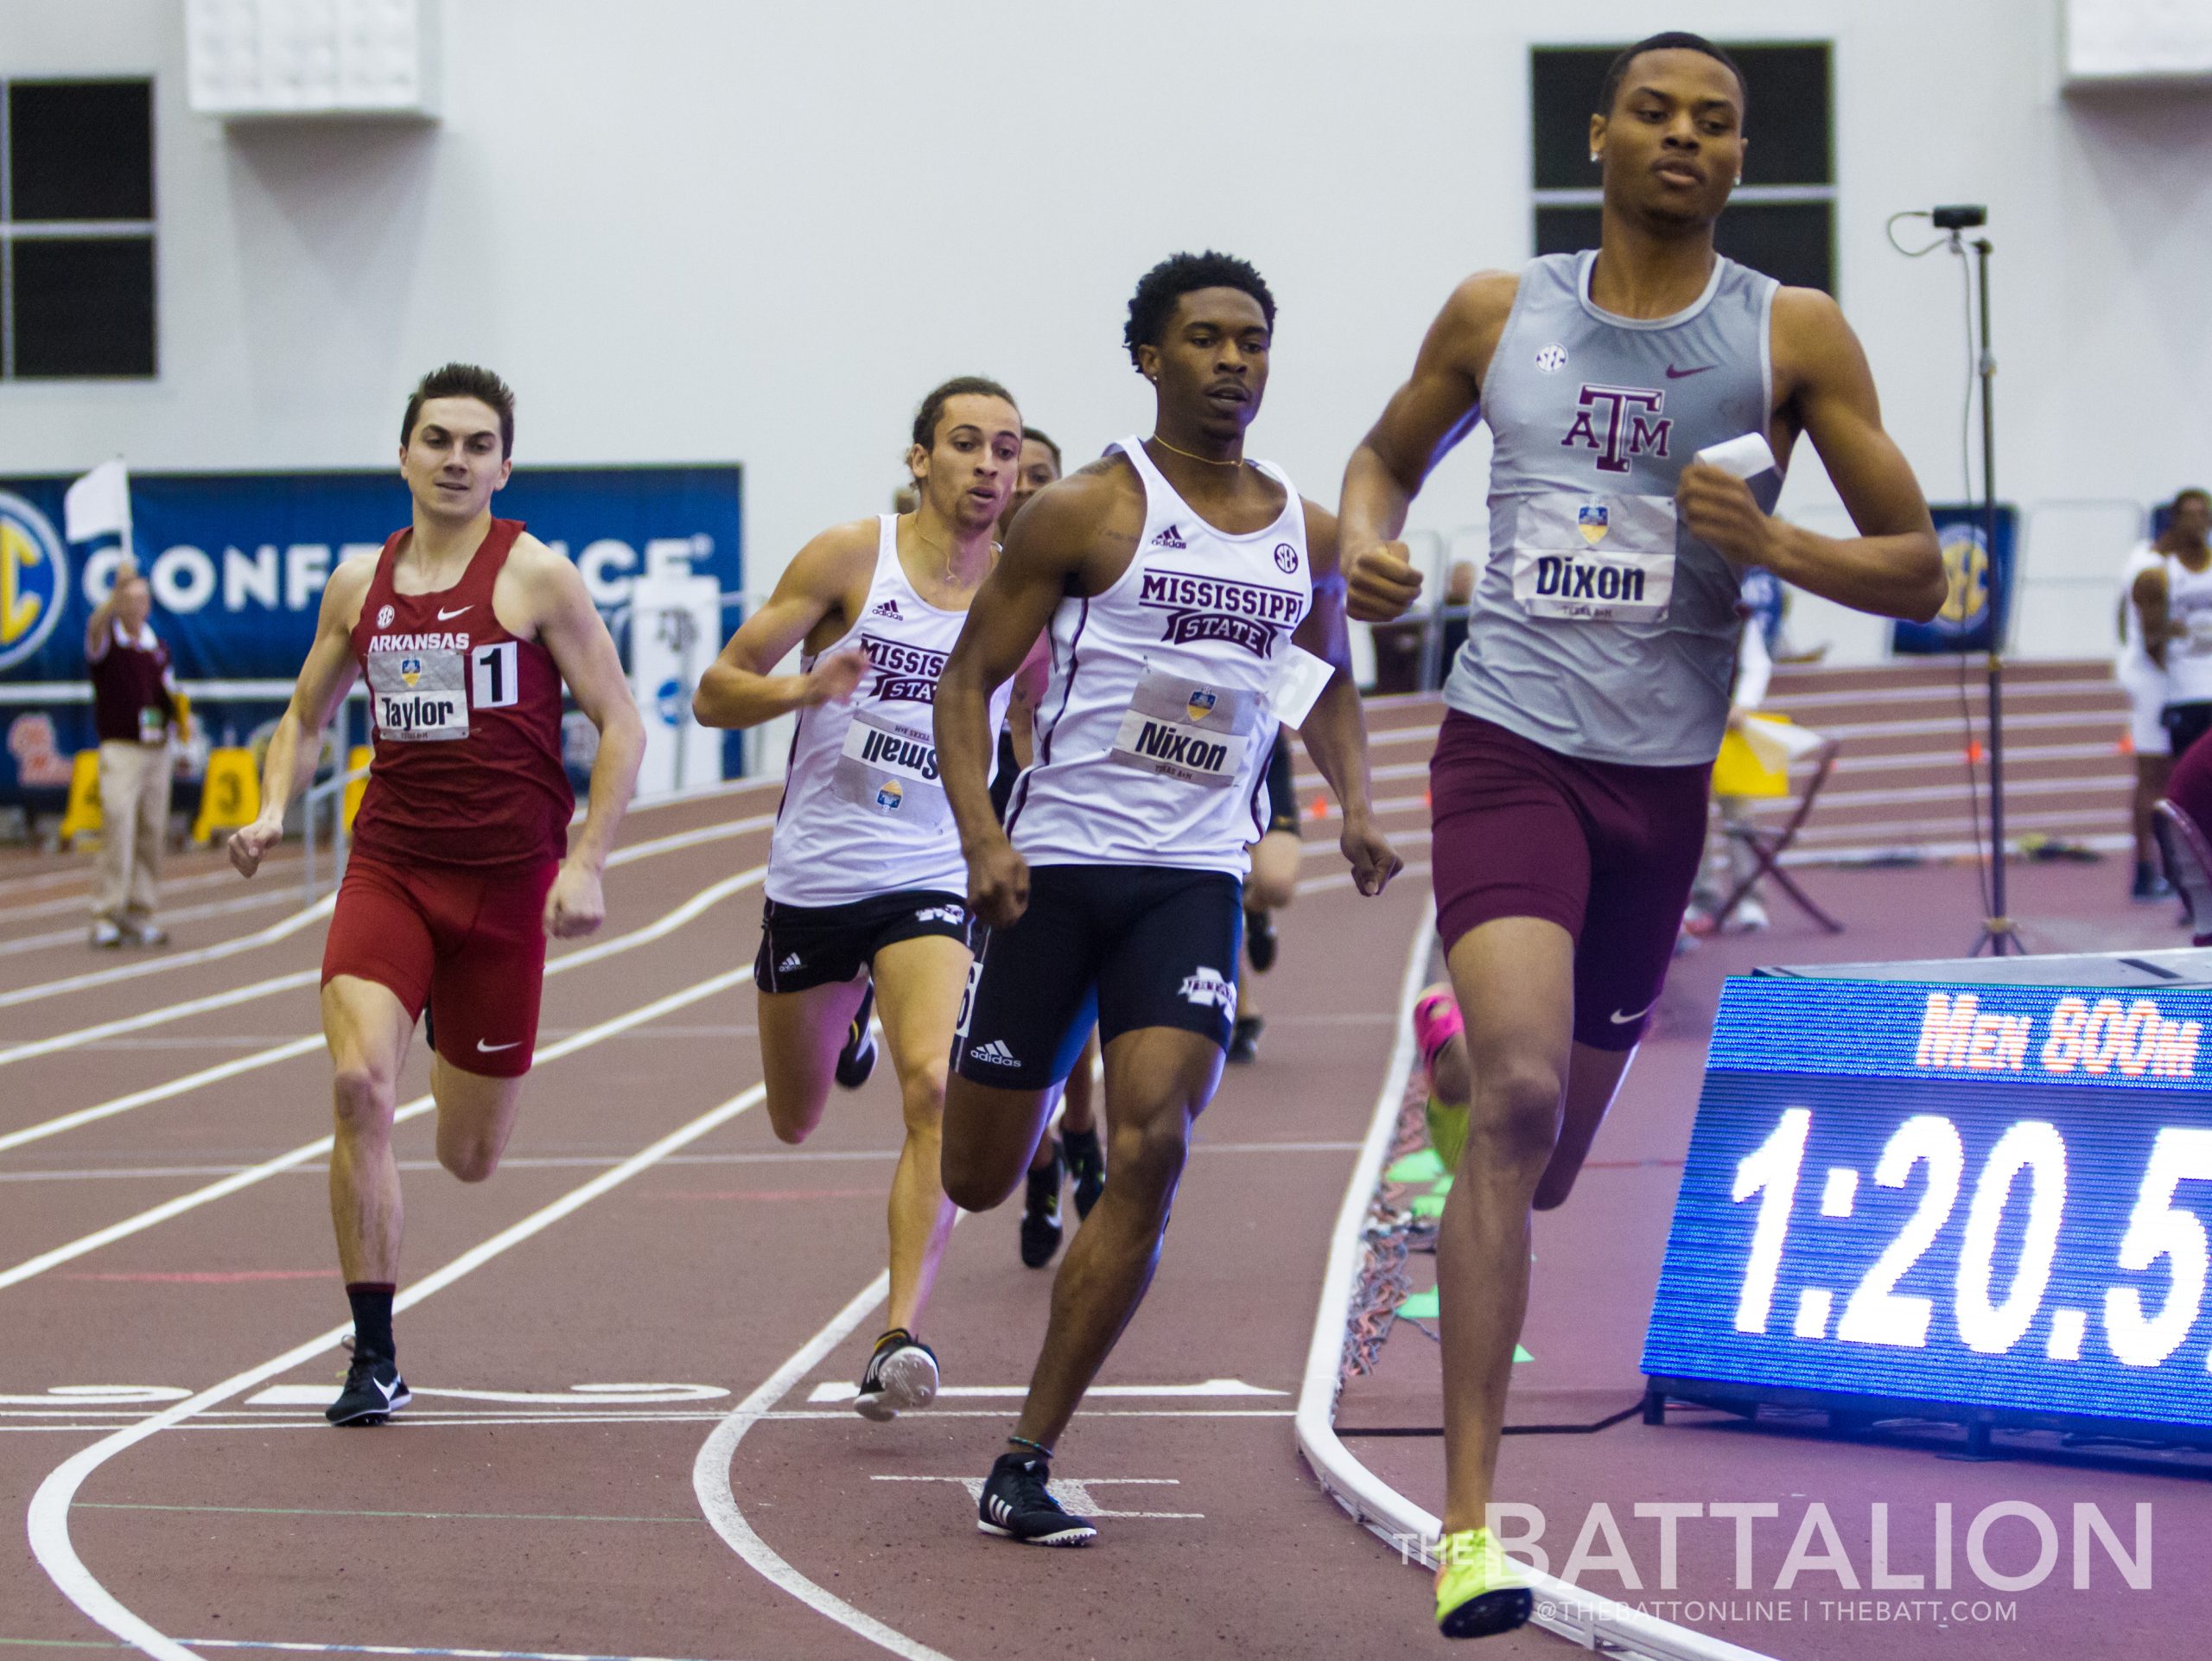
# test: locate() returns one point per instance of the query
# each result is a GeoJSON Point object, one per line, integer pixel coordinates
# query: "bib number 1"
{"type": "Point", "coordinates": [493, 680]}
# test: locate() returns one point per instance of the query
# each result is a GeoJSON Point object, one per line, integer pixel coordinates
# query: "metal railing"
{"type": "Point", "coordinates": [333, 791]}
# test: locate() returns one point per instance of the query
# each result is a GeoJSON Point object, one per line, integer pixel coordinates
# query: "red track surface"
{"type": "Point", "coordinates": [571, 1525]}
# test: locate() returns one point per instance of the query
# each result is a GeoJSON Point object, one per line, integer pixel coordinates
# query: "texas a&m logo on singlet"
{"type": "Point", "coordinates": [423, 686]}
{"type": "Point", "coordinates": [1619, 422]}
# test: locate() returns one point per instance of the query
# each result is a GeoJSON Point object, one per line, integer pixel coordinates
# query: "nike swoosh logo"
{"type": "Point", "coordinates": [446, 616]}
{"type": "Point", "coordinates": [1674, 373]}
{"type": "Point", "coordinates": [388, 1390]}
{"type": "Point", "coordinates": [494, 1049]}
{"type": "Point", "coordinates": [1620, 1020]}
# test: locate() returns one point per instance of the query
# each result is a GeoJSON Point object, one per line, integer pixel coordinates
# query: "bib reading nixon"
{"type": "Point", "coordinates": [863, 812]}
{"type": "Point", "coordinates": [1156, 724]}
{"type": "Point", "coordinates": [467, 723]}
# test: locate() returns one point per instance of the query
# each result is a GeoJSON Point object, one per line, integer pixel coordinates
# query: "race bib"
{"type": "Point", "coordinates": [890, 769]}
{"type": "Point", "coordinates": [1181, 728]}
{"type": "Point", "coordinates": [1595, 559]}
{"type": "Point", "coordinates": [419, 696]}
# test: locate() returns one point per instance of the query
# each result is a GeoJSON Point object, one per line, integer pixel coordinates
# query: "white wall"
{"type": "Point", "coordinates": [695, 229]}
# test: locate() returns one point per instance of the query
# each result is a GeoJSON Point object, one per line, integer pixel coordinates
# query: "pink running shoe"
{"type": "Point", "coordinates": [1436, 1023]}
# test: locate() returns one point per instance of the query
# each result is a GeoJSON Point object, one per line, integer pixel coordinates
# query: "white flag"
{"type": "Point", "coordinates": [98, 503]}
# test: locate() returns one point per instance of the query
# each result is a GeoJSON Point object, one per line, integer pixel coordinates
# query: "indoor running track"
{"type": "Point", "coordinates": [633, 1346]}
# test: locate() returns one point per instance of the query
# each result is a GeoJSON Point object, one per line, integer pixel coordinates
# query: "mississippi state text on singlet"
{"type": "Point", "coordinates": [863, 811]}
{"type": "Point", "coordinates": [1601, 628]}
{"type": "Point", "coordinates": [1155, 729]}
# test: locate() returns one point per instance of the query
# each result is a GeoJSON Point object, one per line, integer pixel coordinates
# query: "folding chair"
{"type": "Point", "coordinates": [2189, 865]}
{"type": "Point", "coordinates": [1767, 847]}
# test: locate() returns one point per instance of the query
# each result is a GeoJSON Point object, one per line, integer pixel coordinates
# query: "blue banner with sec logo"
{"type": "Point", "coordinates": [1979, 601]}
{"type": "Point", "coordinates": [238, 561]}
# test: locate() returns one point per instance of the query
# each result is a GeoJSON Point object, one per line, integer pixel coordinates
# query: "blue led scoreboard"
{"type": "Point", "coordinates": [1952, 1199]}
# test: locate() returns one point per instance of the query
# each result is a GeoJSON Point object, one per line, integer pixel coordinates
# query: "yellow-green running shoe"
{"type": "Point", "coordinates": [1477, 1590]}
{"type": "Point", "coordinates": [1448, 1130]}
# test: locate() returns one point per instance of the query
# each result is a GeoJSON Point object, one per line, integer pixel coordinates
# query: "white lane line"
{"type": "Point", "coordinates": [287, 926]}
{"type": "Point", "coordinates": [78, 902]}
{"type": "Point", "coordinates": [1588, 1618]}
{"type": "Point", "coordinates": [1343, 879]}
{"type": "Point", "coordinates": [57, 1042]}
{"type": "Point", "coordinates": [667, 924]}
{"type": "Point", "coordinates": [48, 1524]}
{"type": "Point", "coordinates": [710, 1481]}
{"type": "Point", "coordinates": [833, 1392]}
{"type": "Point", "coordinates": [33, 1267]}
{"type": "Point", "coordinates": [87, 1424]}
{"type": "Point", "coordinates": [284, 929]}
{"type": "Point", "coordinates": [75, 936]}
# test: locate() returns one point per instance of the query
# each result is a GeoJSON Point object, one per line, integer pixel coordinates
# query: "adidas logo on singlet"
{"type": "Point", "coordinates": [885, 608]}
{"type": "Point", "coordinates": [1171, 538]}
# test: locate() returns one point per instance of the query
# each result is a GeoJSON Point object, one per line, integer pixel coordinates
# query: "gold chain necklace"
{"type": "Point", "coordinates": [1208, 459]}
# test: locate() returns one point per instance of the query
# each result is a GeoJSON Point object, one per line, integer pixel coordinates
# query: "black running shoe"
{"type": "Point", "coordinates": [901, 1374]}
{"type": "Point", "coordinates": [374, 1392]}
{"type": "Point", "coordinates": [1260, 939]}
{"type": "Point", "coordinates": [1041, 1213]}
{"type": "Point", "coordinates": [1086, 1165]}
{"type": "Point", "coordinates": [1017, 1505]}
{"type": "Point", "coordinates": [857, 1059]}
{"type": "Point", "coordinates": [1244, 1039]}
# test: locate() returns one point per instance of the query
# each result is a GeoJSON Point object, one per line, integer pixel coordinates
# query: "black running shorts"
{"type": "Point", "coordinates": [1125, 945]}
{"type": "Point", "coordinates": [812, 945]}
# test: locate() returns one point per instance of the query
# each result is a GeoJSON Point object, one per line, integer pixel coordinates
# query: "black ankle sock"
{"type": "Point", "coordinates": [1084, 1142]}
{"type": "Point", "coordinates": [372, 1302]}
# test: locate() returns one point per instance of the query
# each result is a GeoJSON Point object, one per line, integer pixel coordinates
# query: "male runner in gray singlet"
{"type": "Point", "coordinates": [1588, 702]}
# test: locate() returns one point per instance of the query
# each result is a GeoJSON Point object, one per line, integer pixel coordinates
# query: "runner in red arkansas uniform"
{"type": "Point", "coordinates": [464, 628]}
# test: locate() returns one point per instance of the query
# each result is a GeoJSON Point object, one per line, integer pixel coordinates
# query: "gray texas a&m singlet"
{"type": "Point", "coordinates": [1601, 627]}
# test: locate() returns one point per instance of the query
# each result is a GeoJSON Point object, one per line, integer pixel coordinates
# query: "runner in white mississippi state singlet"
{"type": "Point", "coordinates": [865, 878]}
{"type": "Point", "coordinates": [1175, 576]}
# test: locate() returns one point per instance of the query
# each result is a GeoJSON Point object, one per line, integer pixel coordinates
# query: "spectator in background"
{"type": "Point", "coordinates": [136, 712]}
{"type": "Point", "coordinates": [2141, 669]}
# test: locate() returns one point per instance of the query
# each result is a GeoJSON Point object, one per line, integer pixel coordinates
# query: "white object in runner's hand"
{"type": "Point", "coordinates": [1745, 457]}
{"type": "Point", "coordinates": [1298, 684]}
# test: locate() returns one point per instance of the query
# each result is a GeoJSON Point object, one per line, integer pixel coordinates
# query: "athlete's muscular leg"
{"type": "Point", "coordinates": [476, 1114]}
{"type": "Point", "coordinates": [1514, 977]}
{"type": "Point", "coordinates": [1159, 1079]}
{"type": "Point", "coordinates": [800, 1035]}
{"type": "Point", "coordinates": [990, 1134]}
{"type": "Point", "coordinates": [367, 1029]}
{"type": "Point", "coordinates": [919, 985]}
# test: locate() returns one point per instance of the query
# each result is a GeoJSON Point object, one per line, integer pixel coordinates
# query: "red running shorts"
{"type": "Point", "coordinates": [469, 943]}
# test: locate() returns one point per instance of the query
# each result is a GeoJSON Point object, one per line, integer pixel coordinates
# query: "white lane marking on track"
{"type": "Point", "coordinates": [833, 1392]}
{"type": "Point", "coordinates": [91, 1420]}
{"type": "Point", "coordinates": [84, 873]}
{"type": "Point", "coordinates": [75, 936]}
{"type": "Point", "coordinates": [1374, 1503]}
{"type": "Point", "coordinates": [710, 1481]}
{"type": "Point", "coordinates": [283, 929]}
{"type": "Point", "coordinates": [48, 1524]}
{"type": "Point", "coordinates": [575, 1395]}
{"type": "Point", "coordinates": [667, 924]}
{"type": "Point", "coordinates": [1074, 1493]}
{"type": "Point", "coordinates": [287, 926]}
{"type": "Point", "coordinates": [1343, 879]}
{"type": "Point", "coordinates": [402, 1649]}
{"type": "Point", "coordinates": [321, 1145]}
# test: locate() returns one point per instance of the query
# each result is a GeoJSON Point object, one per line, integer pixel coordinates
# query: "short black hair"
{"type": "Point", "coordinates": [463, 380]}
{"type": "Point", "coordinates": [1042, 437]}
{"type": "Point", "coordinates": [932, 410]}
{"type": "Point", "coordinates": [1672, 39]}
{"type": "Point", "coordinates": [1159, 289]}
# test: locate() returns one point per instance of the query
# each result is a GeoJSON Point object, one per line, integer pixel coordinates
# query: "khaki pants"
{"type": "Point", "coordinates": [134, 782]}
